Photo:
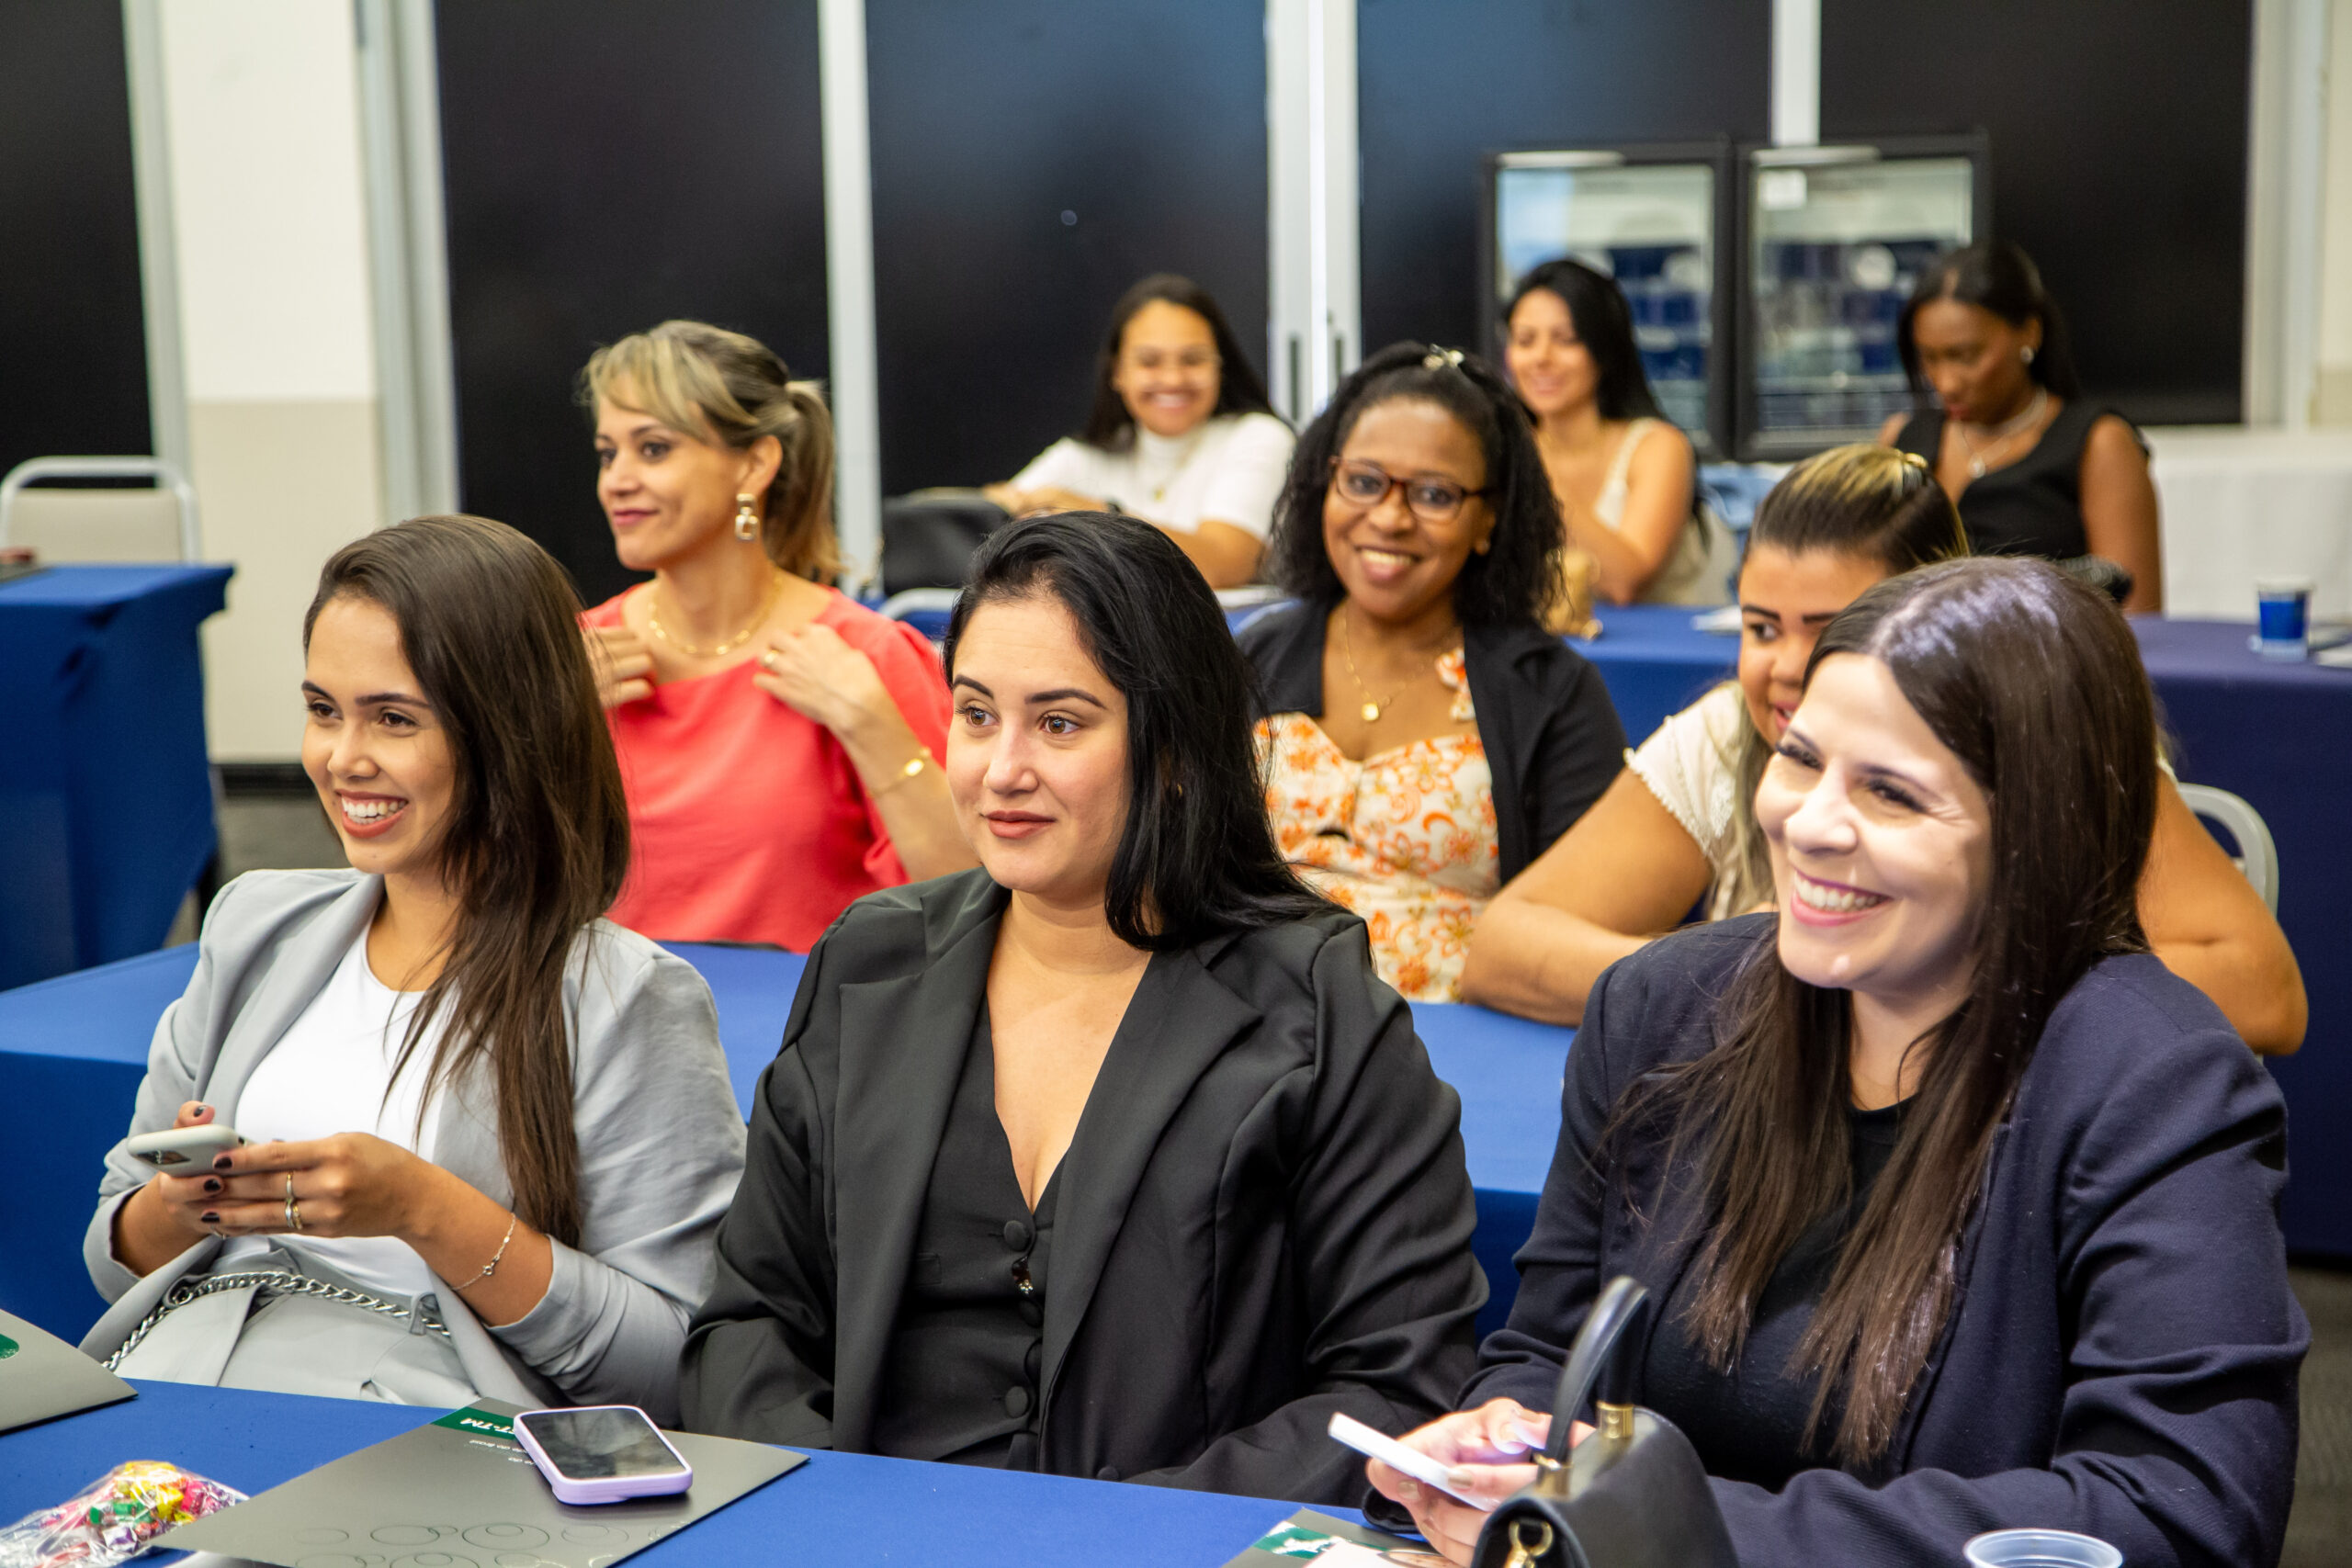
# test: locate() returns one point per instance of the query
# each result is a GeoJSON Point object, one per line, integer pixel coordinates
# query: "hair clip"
{"type": "Point", "coordinates": [1439, 358]}
{"type": "Point", "coordinates": [1912, 460]}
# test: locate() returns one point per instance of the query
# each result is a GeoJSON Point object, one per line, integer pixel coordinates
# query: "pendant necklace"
{"type": "Point", "coordinates": [717, 649]}
{"type": "Point", "coordinates": [1372, 706]}
{"type": "Point", "coordinates": [2001, 437]}
{"type": "Point", "coordinates": [1159, 491]}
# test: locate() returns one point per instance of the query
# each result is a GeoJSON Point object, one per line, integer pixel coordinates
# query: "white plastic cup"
{"type": "Point", "coordinates": [2283, 613]}
{"type": "Point", "coordinates": [2040, 1549]}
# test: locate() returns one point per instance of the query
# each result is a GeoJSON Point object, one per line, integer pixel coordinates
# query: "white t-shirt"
{"type": "Point", "coordinates": [328, 1074]}
{"type": "Point", "coordinates": [1691, 765]}
{"type": "Point", "coordinates": [1228, 470]}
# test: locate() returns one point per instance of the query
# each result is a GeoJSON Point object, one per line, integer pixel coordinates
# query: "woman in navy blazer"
{"type": "Point", "coordinates": [1960, 1209]}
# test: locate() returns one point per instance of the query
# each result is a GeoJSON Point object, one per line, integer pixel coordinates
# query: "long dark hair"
{"type": "Point", "coordinates": [537, 839]}
{"type": "Point", "coordinates": [1604, 325]}
{"type": "Point", "coordinates": [2034, 683]}
{"type": "Point", "coordinates": [1996, 276]}
{"type": "Point", "coordinates": [1515, 581]}
{"type": "Point", "coordinates": [1109, 425]}
{"type": "Point", "coordinates": [1197, 857]}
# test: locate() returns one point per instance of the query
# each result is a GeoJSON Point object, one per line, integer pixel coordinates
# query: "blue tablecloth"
{"type": "Point", "coordinates": [76, 1046]}
{"type": "Point", "coordinates": [838, 1508]}
{"type": "Point", "coordinates": [105, 793]}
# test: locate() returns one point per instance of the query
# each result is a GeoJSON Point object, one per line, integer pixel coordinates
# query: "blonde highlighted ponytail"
{"type": "Point", "coordinates": [734, 389]}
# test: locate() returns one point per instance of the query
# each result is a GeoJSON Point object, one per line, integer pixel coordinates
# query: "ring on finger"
{"type": "Point", "coordinates": [293, 1208]}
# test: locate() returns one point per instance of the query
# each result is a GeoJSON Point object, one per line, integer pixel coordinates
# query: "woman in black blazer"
{"type": "Point", "coordinates": [1425, 738]}
{"type": "Point", "coordinates": [1959, 1208]}
{"type": "Point", "coordinates": [1113, 1159]}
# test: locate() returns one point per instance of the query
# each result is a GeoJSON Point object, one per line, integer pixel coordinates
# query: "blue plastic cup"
{"type": "Point", "coordinates": [2040, 1549]}
{"type": "Point", "coordinates": [2283, 628]}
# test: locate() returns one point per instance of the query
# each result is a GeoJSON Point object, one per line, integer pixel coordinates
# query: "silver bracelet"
{"type": "Point", "coordinates": [492, 1267]}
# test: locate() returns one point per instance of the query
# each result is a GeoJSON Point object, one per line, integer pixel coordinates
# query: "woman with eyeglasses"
{"type": "Point", "coordinates": [1425, 737]}
{"type": "Point", "coordinates": [1180, 435]}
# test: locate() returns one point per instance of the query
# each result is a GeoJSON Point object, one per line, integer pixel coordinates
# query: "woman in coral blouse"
{"type": "Point", "coordinates": [779, 743]}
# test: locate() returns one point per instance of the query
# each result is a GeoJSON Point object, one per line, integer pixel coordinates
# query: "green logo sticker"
{"type": "Point", "coordinates": [481, 1423]}
{"type": "Point", "coordinates": [8, 1347]}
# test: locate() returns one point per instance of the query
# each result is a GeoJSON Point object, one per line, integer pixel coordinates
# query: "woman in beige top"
{"type": "Point", "coordinates": [1623, 475]}
{"type": "Point", "coordinates": [1678, 825]}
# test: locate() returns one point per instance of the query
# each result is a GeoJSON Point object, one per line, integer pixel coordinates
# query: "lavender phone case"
{"type": "Point", "coordinates": [603, 1489]}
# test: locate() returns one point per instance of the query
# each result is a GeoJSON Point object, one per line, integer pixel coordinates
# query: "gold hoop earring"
{"type": "Point", "coordinates": [747, 522]}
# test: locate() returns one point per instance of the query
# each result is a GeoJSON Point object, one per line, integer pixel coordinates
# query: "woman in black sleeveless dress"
{"type": "Point", "coordinates": [2034, 469]}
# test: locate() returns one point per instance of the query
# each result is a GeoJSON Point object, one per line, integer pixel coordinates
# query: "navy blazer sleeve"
{"type": "Point", "coordinates": [2176, 1432]}
{"type": "Point", "coordinates": [2144, 1159]}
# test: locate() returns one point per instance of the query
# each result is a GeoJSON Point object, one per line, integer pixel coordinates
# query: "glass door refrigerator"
{"type": "Point", "coordinates": [1833, 239]}
{"type": "Point", "coordinates": [1654, 217]}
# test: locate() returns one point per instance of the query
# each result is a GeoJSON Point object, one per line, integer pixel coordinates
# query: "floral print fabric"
{"type": "Point", "coordinates": [1405, 838]}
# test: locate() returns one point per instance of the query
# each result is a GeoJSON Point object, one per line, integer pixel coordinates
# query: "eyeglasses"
{"type": "Point", "coordinates": [1427, 496]}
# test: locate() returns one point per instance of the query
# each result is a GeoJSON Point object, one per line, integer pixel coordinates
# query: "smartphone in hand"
{"type": "Point", "coordinates": [176, 1151]}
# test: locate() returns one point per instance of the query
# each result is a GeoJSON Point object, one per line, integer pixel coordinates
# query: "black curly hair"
{"type": "Point", "coordinates": [1515, 580]}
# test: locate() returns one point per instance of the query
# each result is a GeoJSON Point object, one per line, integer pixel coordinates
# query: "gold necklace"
{"type": "Point", "coordinates": [1372, 706]}
{"type": "Point", "coordinates": [717, 649]}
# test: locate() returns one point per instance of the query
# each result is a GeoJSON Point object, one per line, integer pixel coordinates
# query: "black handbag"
{"type": "Point", "coordinates": [1632, 1495]}
{"type": "Point", "coordinates": [928, 537]}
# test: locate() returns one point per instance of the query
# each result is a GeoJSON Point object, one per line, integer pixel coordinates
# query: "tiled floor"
{"type": "Point", "coordinates": [290, 831]}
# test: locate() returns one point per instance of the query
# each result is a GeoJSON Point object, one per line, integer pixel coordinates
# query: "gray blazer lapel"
{"type": "Point", "coordinates": [1180, 1022]}
{"type": "Point", "coordinates": [296, 973]}
{"type": "Point", "coordinates": [903, 1046]}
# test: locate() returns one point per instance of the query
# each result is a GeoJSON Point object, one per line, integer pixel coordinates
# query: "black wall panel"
{"type": "Point", "coordinates": [1033, 158]}
{"type": "Point", "coordinates": [2119, 132]}
{"type": "Point", "coordinates": [72, 338]}
{"type": "Point", "coordinates": [1440, 84]}
{"type": "Point", "coordinates": [609, 164]}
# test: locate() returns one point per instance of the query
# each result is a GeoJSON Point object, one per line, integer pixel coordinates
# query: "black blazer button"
{"type": "Point", "coordinates": [1016, 1235]}
{"type": "Point", "coordinates": [1016, 1403]}
{"type": "Point", "coordinates": [1108, 1472]}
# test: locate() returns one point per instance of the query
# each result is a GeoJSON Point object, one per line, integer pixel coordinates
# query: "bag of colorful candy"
{"type": "Point", "coordinates": [113, 1519]}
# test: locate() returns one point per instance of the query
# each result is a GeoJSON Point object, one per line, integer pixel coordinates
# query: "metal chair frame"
{"type": "Point", "coordinates": [36, 470]}
{"type": "Point", "coordinates": [2257, 854]}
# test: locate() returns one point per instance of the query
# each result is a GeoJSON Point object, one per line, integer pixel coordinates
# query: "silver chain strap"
{"type": "Point", "coordinates": [268, 1283]}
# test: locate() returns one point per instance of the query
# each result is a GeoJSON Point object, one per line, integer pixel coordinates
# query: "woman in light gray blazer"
{"type": "Point", "coordinates": [489, 1133]}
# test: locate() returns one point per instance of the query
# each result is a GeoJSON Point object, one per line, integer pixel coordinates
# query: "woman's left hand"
{"type": "Point", "coordinates": [814, 672]}
{"type": "Point", "coordinates": [351, 1184]}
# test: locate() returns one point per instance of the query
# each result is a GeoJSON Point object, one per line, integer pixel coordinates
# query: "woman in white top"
{"type": "Point", "coordinates": [488, 1135]}
{"type": "Point", "coordinates": [1678, 824]}
{"type": "Point", "coordinates": [1180, 435]}
{"type": "Point", "coordinates": [1623, 475]}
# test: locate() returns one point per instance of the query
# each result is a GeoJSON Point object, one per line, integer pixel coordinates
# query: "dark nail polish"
{"type": "Point", "coordinates": [209, 1218]}
{"type": "Point", "coordinates": [213, 1184]}
{"type": "Point", "coordinates": [221, 1162]}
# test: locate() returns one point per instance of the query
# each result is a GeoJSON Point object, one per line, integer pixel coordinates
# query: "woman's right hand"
{"type": "Point", "coordinates": [623, 663]}
{"type": "Point", "coordinates": [164, 1218]}
{"type": "Point", "coordinates": [1487, 1452]}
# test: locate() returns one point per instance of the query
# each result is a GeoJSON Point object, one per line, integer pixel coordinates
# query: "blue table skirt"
{"type": "Point", "coordinates": [76, 1047]}
{"type": "Point", "coordinates": [838, 1508]}
{"type": "Point", "coordinates": [105, 790]}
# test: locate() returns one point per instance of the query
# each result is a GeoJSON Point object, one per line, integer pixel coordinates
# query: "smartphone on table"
{"type": "Point", "coordinates": [193, 1147]}
{"type": "Point", "coordinates": [602, 1453]}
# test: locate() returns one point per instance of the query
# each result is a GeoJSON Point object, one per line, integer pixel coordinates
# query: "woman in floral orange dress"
{"type": "Point", "coordinates": [1425, 737]}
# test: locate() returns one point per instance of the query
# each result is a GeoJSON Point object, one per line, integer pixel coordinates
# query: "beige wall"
{"type": "Point", "coordinates": [2332, 384]}
{"type": "Point", "coordinates": [261, 116]}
